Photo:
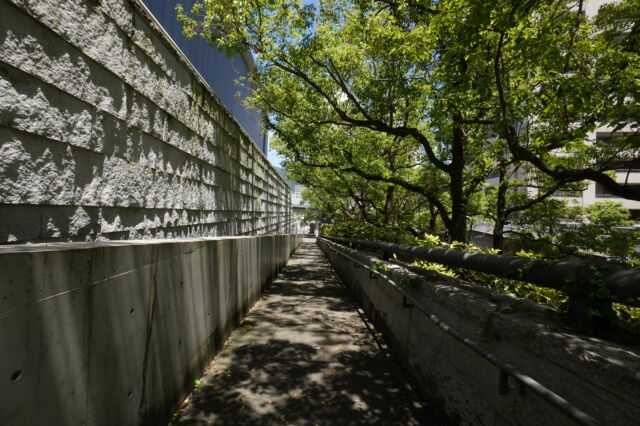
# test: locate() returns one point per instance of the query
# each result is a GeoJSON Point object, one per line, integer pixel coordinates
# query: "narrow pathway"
{"type": "Point", "coordinates": [304, 356]}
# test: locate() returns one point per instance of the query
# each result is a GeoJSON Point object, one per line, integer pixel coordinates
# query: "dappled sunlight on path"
{"type": "Point", "coordinates": [304, 356]}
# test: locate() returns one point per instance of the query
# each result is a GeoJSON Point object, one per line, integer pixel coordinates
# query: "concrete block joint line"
{"type": "Point", "coordinates": [116, 332]}
{"type": "Point", "coordinates": [109, 133]}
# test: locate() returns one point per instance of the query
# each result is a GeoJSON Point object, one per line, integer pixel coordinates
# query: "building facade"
{"type": "Point", "coordinates": [626, 171]}
{"type": "Point", "coordinates": [221, 72]}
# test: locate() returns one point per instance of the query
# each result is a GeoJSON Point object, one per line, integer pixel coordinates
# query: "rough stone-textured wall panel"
{"type": "Point", "coordinates": [600, 378]}
{"type": "Point", "coordinates": [114, 333]}
{"type": "Point", "coordinates": [106, 132]}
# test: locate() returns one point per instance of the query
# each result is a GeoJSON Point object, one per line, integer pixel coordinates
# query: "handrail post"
{"type": "Point", "coordinates": [506, 370]}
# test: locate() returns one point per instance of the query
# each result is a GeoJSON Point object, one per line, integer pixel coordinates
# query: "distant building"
{"type": "Point", "coordinates": [296, 190]}
{"type": "Point", "coordinates": [296, 196]}
{"type": "Point", "coordinates": [625, 170]}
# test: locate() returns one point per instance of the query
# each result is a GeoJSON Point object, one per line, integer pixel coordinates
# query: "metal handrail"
{"type": "Point", "coordinates": [623, 285]}
{"type": "Point", "coordinates": [505, 368]}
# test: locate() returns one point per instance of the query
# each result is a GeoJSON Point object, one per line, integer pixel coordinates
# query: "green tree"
{"type": "Point", "coordinates": [373, 66]}
{"type": "Point", "coordinates": [520, 187]}
{"type": "Point", "coordinates": [607, 230]}
{"type": "Point", "coordinates": [559, 75]}
{"type": "Point", "coordinates": [443, 77]}
{"type": "Point", "coordinates": [556, 229]}
{"type": "Point", "coordinates": [608, 214]}
{"type": "Point", "coordinates": [550, 228]}
{"type": "Point", "coordinates": [341, 190]}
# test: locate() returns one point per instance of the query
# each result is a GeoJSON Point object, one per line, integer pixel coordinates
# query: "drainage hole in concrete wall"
{"type": "Point", "coordinates": [130, 394]}
{"type": "Point", "coordinates": [16, 375]}
{"type": "Point", "coordinates": [132, 311]}
{"type": "Point", "coordinates": [179, 342]}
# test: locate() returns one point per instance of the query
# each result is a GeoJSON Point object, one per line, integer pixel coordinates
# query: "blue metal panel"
{"type": "Point", "coordinates": [219, 70]}
{"type": "Point", "coordinates": [156, 7]}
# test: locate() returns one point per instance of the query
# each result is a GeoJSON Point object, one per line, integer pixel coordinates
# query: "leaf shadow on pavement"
{"type": "Point", "coordinates": [303, 356]}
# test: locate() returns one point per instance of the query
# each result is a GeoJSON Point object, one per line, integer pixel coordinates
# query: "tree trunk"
{"type": "Point", "coordinates": [498, 235]}
{"type": "Point", "coordinates": [433, 219]}
{"type": "Point", "coordinates": [501, 214]}
{"type": "Point", "coordinates": [458, 226]}
{"type": "Point", "coordinates": [388, 207]}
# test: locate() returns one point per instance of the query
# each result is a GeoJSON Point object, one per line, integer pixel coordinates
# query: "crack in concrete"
{"type": "Point", "coordinates": [145, 360]}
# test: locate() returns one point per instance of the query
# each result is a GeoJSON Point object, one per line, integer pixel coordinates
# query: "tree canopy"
{"type": "Point", "coordinates": [430, 98]}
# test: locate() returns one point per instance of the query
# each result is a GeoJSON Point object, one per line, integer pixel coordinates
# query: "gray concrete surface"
{"type": "Point", "coordinates": [114, 333]}
{"type": "Point", "coordinates": [599, 377]}
{"type": "Point", "coordinates": [106, 132]}
{"type": "Point", "coordinates": [304, 356]}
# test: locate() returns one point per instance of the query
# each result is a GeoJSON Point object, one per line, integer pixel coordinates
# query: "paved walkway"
{"type": "Point", "coordinates": [304, 356]}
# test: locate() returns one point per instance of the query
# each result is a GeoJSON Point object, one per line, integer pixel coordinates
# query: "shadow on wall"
{"type": "Point", "coordinates": [116, 334]}
{"type": "Point", "coordinates": [108, 135]}
{"type": "Point", "coordinates": [294, 362]}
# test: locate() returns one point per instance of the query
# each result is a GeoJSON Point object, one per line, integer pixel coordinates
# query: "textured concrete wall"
{"type": "Point", "coordinates": [114, 333]}
{"type": "Point", "coordinates": [600, 378]}
{"type": "Point", "coordinates": [108, 133]}
{"type": "Point", "coordinates": [218, 70]}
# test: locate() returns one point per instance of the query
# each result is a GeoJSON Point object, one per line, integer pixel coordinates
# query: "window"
{"type": "Point", "coordinates": [571, 194]}
{"type": "Point", "coordinates": [625, 165]}
{"type": "Point", "coordinates": [627, 143]}
{"type": "Point", "coordinates": [603, 193]}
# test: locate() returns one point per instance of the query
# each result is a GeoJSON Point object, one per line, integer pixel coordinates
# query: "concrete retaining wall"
{"type": "Point", "coordinates": [114, 333]}
{"type": "Point", "coordinates": [601, 378]}
{"type": "Point", "coordinates": [107, 132]}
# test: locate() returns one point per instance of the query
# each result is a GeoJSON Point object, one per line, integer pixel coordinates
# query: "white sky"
{"type": "Point", "coordinates": [272, 155]}
{"type": "Point", "coordinates": [274, 158]}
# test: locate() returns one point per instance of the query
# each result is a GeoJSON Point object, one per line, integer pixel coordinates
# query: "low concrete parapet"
{"type": "Point", "coordinates": [598, 377]}
{"type": "Point", "coordinates": [114, 333]}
